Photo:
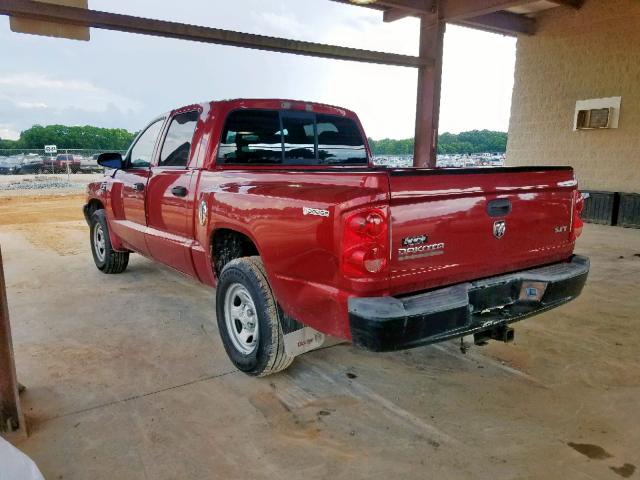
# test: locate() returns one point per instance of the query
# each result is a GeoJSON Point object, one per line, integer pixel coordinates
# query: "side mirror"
{"type": "Point", "coordinates": [110, 160]}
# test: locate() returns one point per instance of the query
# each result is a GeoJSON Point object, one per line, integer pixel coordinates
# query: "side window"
{"type": "Point", "coordinates": [340, 141]}
{"type": "Point", "coordinates": [299, 138]}
{"type": "Point", "coordinates": [251, 137]}
{"type": "Point", "coordinates": [177, 144]}
{"type": "Point", "coordinates": [142, 151]}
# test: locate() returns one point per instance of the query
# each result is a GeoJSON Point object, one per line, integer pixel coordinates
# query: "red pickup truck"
{"type": "Point", "coordinates": [278, 205]}
{"type": "Point", "coordinates": [62, 163]}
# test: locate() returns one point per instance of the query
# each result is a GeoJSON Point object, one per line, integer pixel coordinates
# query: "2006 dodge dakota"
{"type": "Point", "coordinates": [278, 205]}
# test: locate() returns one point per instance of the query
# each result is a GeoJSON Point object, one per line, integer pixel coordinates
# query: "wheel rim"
{"type": "Point", "coordinates": [241, 319]}
{"type": "Point", "coordinates": [99, 242]}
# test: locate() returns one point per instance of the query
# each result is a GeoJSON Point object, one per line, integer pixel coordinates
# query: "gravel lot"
{"type": "Point", "coordinates": [45, 184]}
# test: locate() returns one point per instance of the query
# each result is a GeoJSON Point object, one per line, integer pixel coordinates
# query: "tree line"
{"type": "Point", "coordinates": [95, 138]}
{"type": "Point", "coordinates": [475, 141]}
{"type": "Point", "coordinates": [65, 137]}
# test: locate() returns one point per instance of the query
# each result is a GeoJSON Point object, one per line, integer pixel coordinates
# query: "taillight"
{"type": "Point", "coordinates": [365, 243]}
{"type": "Point", "coordinates": [576, 222]}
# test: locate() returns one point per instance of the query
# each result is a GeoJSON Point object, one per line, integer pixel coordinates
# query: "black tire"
{"type": "Point", "coordinates": [107, 260]}
{"type": "Point", "coordinates": [268, 355]}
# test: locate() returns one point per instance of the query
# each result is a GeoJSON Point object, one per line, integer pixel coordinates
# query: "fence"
{"type": "Point", "coordinates": [33, 161]}
{"type": "Point", "coordinates": [33, 169]}
{"type": "Point", "coordinates": [443, 161]}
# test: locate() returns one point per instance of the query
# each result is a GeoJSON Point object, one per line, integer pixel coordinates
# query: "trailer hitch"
{"type": "Point", "coordinates": [502, 334]}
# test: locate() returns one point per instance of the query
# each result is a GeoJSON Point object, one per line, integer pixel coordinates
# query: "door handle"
{"type": "Point", "coordinates": [179, 191]}
{"type": "Point", "coordinates": [138, 187]}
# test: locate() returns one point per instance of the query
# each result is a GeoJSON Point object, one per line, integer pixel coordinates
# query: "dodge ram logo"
{"type": "Point", "coordinates": [499, 228]}
{"type": "Point", "coordinates": [202, 212]}
{"type": "Point", "coordinates": [417, 240]}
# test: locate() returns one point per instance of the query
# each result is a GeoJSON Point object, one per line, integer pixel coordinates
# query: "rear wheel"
{"type": "Point", "coordinates": [248, 319]}
{"type": "Point", "coordinates": [107, 260]}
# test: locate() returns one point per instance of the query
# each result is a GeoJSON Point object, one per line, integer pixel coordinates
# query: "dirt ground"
{"type": "Point", "coordinates": [126, 378]}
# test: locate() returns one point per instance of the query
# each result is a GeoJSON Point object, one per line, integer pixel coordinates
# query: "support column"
{"type": "Point", "coordinates": [429, 79]}
{"type": "Point", "coordinates": [11, 418]}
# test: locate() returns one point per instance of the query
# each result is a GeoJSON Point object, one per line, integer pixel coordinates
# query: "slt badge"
{"type": "Point", "coordinates": [202, 212]}
{"type": "Point", "coordinates": [499, 228]}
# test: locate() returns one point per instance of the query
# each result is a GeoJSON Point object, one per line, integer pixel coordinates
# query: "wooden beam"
{"type": "Point", "coordinates": [569, 3]}
{"type": "Point", "coordinates": [146, 26]}
{"type": "Point", "coordinates": [394, 14]}
{"type": "Point", "coordinates": [456, 10]}
{"type": "Point", "coordinates": [11, 417]}
{"type": "Point", "coordinates": [506, 23]}
{"type": "Point", "coordinates": [419, 6]}
{"type": "Point", "coordinates": [502, 22]}
{"type": "Point", "coordinates": [428, 102]}
{"type": "Point", "coordinates": [412, 6]}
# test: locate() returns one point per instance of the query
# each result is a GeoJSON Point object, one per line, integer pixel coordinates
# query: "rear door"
{"type": "Point", "coordinates": [450, 226]}
{"type": "Point", "coordinates": [170, 195]}
{"type": "Point", "coordinates": [129, 189]}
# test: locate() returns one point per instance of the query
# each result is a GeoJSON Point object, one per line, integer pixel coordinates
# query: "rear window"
{"type": "Point", "coordinates": [269, 137]}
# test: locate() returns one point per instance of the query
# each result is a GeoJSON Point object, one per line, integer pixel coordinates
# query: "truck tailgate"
{"type": "Point", "coordinates": [453, 225]}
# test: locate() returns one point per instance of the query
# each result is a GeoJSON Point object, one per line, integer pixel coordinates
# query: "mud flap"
{"type": "Point", "coordinates": [299, 338]}
{"type": "Point", "coordinates": [303, 340]}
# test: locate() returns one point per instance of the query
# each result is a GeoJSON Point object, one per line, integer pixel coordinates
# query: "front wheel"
{"type": "Point", "coordinates": [248, 319]}
{"type": "Point", "coordinates": [105, 257]}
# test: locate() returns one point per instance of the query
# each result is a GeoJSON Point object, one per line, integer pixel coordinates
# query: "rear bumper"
{"type": "Point", "coordinates": [388, 323]}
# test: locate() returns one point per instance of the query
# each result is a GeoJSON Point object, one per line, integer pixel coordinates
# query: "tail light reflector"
{"type": "Point", "coordinates": [365, 243]}
{"type": "Point", "coordinates": [576, 222]}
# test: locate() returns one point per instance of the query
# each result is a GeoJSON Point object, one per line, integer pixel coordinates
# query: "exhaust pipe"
{"type": "Point", "coordinates": [502, 334]}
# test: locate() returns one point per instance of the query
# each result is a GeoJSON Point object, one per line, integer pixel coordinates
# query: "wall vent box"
{"type": "Point", "coordinates": [597, 113]}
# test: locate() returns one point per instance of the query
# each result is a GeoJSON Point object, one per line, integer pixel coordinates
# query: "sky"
{"type": "Point", "coordinates": [124, 80]}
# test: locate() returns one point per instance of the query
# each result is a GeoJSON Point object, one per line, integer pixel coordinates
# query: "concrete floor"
{"type": "Point", "coordinates": [127, 379]}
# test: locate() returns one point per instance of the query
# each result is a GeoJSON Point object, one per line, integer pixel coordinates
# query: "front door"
{"type": "Point", "coordinates": [130, 189]}
{"type": "Point", "coordinates": [170, 196]}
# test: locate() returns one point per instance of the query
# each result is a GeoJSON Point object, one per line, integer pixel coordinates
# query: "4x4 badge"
{"type": "Point", "coordinates": [499, 228]}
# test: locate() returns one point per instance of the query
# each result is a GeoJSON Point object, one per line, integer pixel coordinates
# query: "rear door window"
{"type": "Point", "coordinates": [251, 137]}
{"type": "Point", "coordinates": [177, 144]}
{"type": "Point", "coordinates": [270, 137]}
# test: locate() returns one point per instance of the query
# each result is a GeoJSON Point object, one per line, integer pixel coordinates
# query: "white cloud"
{"type": "Point", "coordinates": [37, 90]}
{"type": "Point", "coordinates": [8, 133]}
{"type": "Point", "coordinates": [37, 80]}
{"type": "Point", "coordinates": [31, 104]}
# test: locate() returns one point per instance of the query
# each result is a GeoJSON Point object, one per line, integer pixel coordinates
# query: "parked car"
{"type": "Point", "coordinates": [278, 205]}
{"type": "Point", "coordinates": [32, 163]}
{"type": "Point", "coordinates": [90, 164]}
{"type": "Point", "coordinates": [61, 161]}
{"type": "Point", "coordinates": [48, 161]}
{"type": "Point", "coordinates": [10, 165]}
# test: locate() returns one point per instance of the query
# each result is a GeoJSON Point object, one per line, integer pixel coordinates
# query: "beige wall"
{"type": "Point", "coordinates": [580, 54]}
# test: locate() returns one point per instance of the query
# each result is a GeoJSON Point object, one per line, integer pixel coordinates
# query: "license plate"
{"type": "Point", "coordinates": [532, 291]}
